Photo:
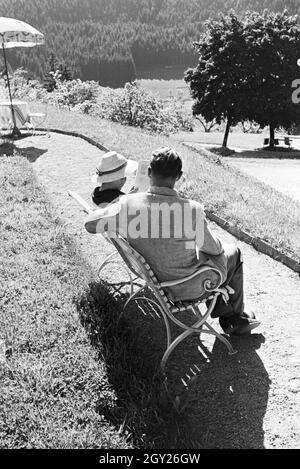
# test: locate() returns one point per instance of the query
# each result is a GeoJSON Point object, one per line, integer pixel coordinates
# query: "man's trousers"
{"type": "Point", "coordinates": [235, 306]}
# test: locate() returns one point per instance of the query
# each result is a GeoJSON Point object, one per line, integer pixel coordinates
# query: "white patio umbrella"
{"type": "Point", "coordinates": [15, 33]}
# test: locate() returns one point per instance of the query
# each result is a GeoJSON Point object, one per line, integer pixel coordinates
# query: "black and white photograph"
{"type": "Point", "coordinates": [149, 228]}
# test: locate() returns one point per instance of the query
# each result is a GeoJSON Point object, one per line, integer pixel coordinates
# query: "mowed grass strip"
{"type": "Point", "coordinates": [251, 205]}
{"type": "Point", "coordinates": [53, 380]}
{"type": "Point", "coordinates": [75, 375]}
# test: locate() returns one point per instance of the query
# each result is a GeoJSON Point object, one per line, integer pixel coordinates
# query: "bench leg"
{"type": "Point", "coordinates": [171, 347]}
{"type": "Point", "coordinates": [226, 342]}
{"type": "Point", "coordinates": [107, 260]}
{"type": "Point", "coordinates": [186, 334]}
{"type": "Point", "coordinates": [133, 296]}
{"type": "Point", "coordinates": [197, 328]}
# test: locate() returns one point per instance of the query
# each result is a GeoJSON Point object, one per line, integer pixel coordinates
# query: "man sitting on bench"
{"type": "Point", "coordinates": [172, 234]}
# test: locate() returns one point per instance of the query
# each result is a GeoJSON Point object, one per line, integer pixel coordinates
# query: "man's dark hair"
{"type": "Point", "coordinates": [166, 162]}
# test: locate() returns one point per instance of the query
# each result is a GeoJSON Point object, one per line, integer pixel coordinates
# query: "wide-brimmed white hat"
{"type": "Point", "coordinates": [113, 166]}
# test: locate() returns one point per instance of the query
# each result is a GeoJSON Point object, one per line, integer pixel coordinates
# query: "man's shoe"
{"type": "Point", "coordinates": [239, 325]}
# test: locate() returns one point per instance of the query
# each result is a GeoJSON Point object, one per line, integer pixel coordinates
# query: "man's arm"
{"type": "Point", "coordinates": [103, 219]}
{"type": "Point", "coordinates": [211, 244]}
{"type": "Point", "coordinates": [92, 220]}
{"type": "Point", "coordinates": [206, 241]}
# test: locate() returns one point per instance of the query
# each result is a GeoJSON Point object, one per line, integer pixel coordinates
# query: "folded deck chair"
{"type": "Point", "coordinates": [88, 209]}
{"type": "Point", "coordinates": [168, 308]}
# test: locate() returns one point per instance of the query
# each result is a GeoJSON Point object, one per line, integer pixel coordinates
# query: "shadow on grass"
{"type": "Point", "coordinates": [223, 406]}
{"type": "Point", "coordinates": [263, 153]}
{"type": "Point", "coordinates": [31, 153]}
{"type": "Point", "coordinates": [229, 401]}
{"type": "Point", "coordinates": [132, 348]}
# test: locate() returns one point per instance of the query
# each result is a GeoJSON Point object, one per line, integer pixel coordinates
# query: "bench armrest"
{"type": "Point", "coordinates": [173, 283]}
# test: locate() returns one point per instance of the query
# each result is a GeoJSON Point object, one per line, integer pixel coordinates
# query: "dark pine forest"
{"type": "Point", "coordinates": [107, 40]}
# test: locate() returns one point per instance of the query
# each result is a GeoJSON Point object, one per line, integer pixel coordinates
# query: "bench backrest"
{"type": "Point", "coordinates": [134, 261]}
{"type": "Point", "coordinates": [208, 277]}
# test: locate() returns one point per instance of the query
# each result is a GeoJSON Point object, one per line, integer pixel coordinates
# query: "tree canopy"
{"type": "Point", "coordinates": [106, 40]}
{"type": "Point", "coordinates": [274, 41]}
{"type": "Point", "coordinates": [245, 70]}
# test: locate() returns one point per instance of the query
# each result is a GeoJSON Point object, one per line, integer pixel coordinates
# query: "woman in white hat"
{"type": "Point", "coordinates": [110, 177]}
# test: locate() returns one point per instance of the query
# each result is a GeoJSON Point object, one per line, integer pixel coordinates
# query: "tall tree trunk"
{"type": "Point", "coordinates": [272, 135]}
{"type": "Point", "coordinates": [228, 125]}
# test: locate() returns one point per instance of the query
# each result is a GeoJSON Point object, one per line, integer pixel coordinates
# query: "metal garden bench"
{"type": "Point", "coordinates": [169, 309]}
{"type": "Point", "coordinates": [138, 268]}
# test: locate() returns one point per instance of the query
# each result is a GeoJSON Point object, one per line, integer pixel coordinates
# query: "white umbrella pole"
{"type": "Point", "coordinates": [15, 129]}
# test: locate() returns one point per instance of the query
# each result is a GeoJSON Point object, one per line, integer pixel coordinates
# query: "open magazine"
{"type": "Point", "coordinates": [142, 179]}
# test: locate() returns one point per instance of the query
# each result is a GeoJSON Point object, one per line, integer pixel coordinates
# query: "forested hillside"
{"type": "Point", "coordinates": [105, 40]}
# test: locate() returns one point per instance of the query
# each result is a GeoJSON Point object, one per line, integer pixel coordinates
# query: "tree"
{"type": "Point", "coordinates": [246, 69]}
{"type": "Point", "coordinates": [52, 63]}
{"type": "Point", "coordinates": [219, 83]}
{"type": "Point", "coordinates": [49, 80]}
{"type": "Point", "coordinates": [65, 73]}
{"type": "Point", "coordinates": [274, 42]}
{"type": "Point", "coordinates": [155, 32]}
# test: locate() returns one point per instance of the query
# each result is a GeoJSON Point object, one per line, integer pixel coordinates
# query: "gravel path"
{"type": "Point", "coordinates": [249, 400]}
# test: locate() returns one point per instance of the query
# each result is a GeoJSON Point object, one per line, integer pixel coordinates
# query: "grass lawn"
{"type": "Point", "coordinates": [236, 139]}
{"type": "Point", "coordinates": [73, 374]}
{"type": "Point", "coordinates": [251, 205]}
{"type": "Point", "coordinates": [52, 381]}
